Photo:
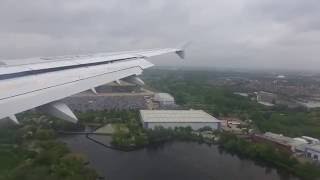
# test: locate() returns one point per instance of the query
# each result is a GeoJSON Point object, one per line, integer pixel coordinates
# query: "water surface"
{"type": "Point", "coordinates": [176, 161]}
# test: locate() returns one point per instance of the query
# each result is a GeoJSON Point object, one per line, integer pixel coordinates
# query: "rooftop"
{"type": "Point", "coordinates": [176, 116]}
{"type": "Point", "coordinates": [315, 147]}
{"type": "Point", "coordinates": [163, 97]}
{"type": "Point", "coordinates": [265, 103]}
{"type": "Point", "coordinates": [293, 142]}
{"type": "Point", "coordinates": [278, 137]}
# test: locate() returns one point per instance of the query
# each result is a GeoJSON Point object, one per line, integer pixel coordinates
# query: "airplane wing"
{"type": "Point", "coordinates": [42, 82]}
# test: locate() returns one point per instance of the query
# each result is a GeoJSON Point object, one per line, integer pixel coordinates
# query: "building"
{"type": "Point", "coordinates": [281, 76]}
{"type": "Point", "coordinates": [277, 140]}
{"type": "Point", "coordinates": [313, 152]}
{"type": "Point", "coordinates": [310, 149]}
{"type": "Point", "coordinates": [241, 94]}
{"type": "Point", "coordinates": [311, 140]}
{"type": "Point", "coordinates": [196, 119]}
{"type": "Point", "coordinates": [282, 142]}
{"type": "Point", "coordinates": [164, 99]}
{"type": "Point", "coordinates": [266, 98]}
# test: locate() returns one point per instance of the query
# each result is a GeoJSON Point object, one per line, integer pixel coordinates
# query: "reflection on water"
{"type": "Point", "coordinates": [176, 160]}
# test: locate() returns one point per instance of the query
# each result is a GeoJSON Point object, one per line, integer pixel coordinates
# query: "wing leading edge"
{"type": "Point", "coordinates": [43, 84]}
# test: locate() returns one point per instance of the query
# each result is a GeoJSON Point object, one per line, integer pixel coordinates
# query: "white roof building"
{"type": "Point", "coordinates": [311, 139]}
{"type": "Point", "coordinates": [296, 144]}
{"type": "Point", "coordinates": [164, 99]}
{"type": "Point", "coordinates": [312, 151]}
{"type": "Point", "coordinates": [196, 119]}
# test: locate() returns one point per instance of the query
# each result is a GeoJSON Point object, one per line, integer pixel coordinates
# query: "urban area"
{"type": "Point", "coordinates": [267, 117]}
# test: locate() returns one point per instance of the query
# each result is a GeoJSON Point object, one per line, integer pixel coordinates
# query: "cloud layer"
{"type": "Point", "coordinates": [232, 33]}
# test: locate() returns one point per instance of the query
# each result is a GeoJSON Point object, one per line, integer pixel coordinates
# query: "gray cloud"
{"type": "Point", "coordinates": [231, 33]}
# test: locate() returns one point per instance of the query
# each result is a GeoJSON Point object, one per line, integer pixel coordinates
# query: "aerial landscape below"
{"type": "Point", "coordinates": [154, 90]}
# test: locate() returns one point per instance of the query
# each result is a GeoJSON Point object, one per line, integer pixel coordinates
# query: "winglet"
{"type": "Point", "coordinates": [181, 50]}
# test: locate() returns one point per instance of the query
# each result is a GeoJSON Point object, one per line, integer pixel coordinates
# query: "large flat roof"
{"type": "Point", "coordinates": [314, 147]}
{"type": "Point", "coordinates": [176, 116]}
{"type": "Point", "coordinates": [163, 97]}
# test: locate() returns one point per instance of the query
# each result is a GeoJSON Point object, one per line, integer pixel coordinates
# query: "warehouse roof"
{"type": "Point", "coordinates": [314, 147]}
{"type": "Point", "coordinates": [176, 116]}
{"type": "Point", "coordinates": [163, 97]}
{"type": "Point", "coordinates": [278, 137]}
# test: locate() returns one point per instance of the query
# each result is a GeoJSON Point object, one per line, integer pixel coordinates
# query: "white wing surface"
{"type": "Point", "coordinates": [45, 81]}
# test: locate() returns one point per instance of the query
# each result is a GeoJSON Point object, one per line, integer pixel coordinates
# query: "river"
{"type": "Point", "coordinates": [174, 160]}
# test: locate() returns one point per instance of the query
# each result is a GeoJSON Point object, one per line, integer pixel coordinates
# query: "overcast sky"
{"type": "Point", "coordinates": [224, 33]}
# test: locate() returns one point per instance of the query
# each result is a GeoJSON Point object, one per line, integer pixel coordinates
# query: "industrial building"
{"type": "Point", "coordinates": [311, 140]}
{"type": "Point", "coordinates": [196, 119]}
{"type": "Point", "coordinates": [302, 146]}
{"type": "Point", "coordinates": [164, 99]}
{"type": "Point", "coordinates": [266, 98]}
{"type": "Point", "coordinates": [313, 152]}
{"type": "Point", "coordinates": [282, 142]}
